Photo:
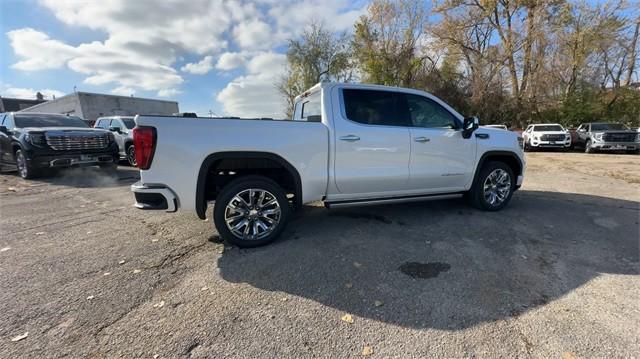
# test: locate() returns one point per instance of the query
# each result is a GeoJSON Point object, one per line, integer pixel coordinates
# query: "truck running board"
{"type": "Point", "coordinates": [388, 200]}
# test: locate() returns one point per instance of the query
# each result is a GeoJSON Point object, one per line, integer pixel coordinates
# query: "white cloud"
{"type": "Point", "coordinates": [143, 40]}
{"type": "Point", "coordinates": [336, 15]}
{"type": "Point", "coordinates": [230, 60]}
{"type": "Point", "coordinates": [254, 34]}
{"type": "Point", "coordinates": [169, 92]}
{"type": "Point", "coordinates": [194, 26]}
{"type": "Point", "coordinates": [108, 63]}
{"type": "Point", "coordinates": [29, 93]}
{"type": "Point", "coordinates": [123, 91]}
{"type": "Point", "coordinates": [255, 94]}
{"type": "Point", "coordinates": [199, 68]}
{"type": "Point", "coordinates": [38, 51]}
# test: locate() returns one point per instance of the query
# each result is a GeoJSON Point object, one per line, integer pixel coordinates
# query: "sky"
{"type": "Point", "coordinates": [209, 55]}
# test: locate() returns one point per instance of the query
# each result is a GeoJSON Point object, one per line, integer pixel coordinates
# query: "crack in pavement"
{"type": "Point", "coordinates": [169, 259]}
{"type": "Point", "coordinates": [63, 221]}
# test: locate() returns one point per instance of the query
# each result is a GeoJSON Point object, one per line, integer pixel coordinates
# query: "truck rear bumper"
{"type": "Point", "coordinates": [154, 197]}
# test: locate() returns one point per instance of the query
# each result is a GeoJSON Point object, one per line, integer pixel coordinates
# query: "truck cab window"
{"type": "Point", "coordinates": [426, 113]}
{"type": "Point", "coordinates": [374, 107]}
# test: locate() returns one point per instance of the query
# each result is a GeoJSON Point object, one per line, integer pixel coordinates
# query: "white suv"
{"type": "Point", "coordinates": [546, 135]}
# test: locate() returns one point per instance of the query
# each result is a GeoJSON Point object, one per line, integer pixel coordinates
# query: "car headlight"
{"type": "Point", "coordinates": [638, 137]}
{"type": "Point", "coordinates": [35, 138]}
{"type": "Point", "coordinates": [598, 136]}
{"type": "Point", "coordinates": [535, 137]}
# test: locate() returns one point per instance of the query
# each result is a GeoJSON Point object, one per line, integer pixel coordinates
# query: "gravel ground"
{"type": "Point", "coordinates": [553, 275]}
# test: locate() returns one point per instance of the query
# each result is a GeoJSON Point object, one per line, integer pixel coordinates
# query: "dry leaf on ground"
{"type": "Point", "coordinates": [367, 350]}
{"type": "Point", "coordinates": [347, 318]}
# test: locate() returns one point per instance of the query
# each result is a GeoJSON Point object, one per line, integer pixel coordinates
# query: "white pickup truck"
{"type": "Point", "coordinates": [346, 145]}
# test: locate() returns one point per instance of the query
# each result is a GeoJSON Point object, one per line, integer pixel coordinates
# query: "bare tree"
{"type": "Point", "coordinates": [318, 55]}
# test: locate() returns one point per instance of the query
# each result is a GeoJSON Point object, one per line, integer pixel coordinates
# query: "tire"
{"type": "Point", "coordinates": [25, 169]}
{"type": "Point", "coordinates": [476, 195]}
{"type": "Point", "coordinates": [588, 148]}
{"type": "Point", "coordinates": [527, 147]}
{"type": "Point", "coordinates": [259, 228]}
{"type": "Point", "coordinates": [130, 152]}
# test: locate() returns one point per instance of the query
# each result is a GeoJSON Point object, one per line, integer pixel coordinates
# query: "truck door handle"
{"type": "Point", "coordinates": [350, 138]}
{"type": "Point", "coordinates": [421, 139]}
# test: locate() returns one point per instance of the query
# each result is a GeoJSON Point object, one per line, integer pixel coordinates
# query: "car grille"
{"type": "Point", "coordinates": [77, 142]}
{"type": "Point", "coordinates": [619, 137]}
{"type": "Point", "coordinates": [552, 137]}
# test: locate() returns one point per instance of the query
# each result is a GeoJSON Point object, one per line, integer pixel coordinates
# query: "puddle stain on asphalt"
{"type": "Point", "coordinates": [424, 270]}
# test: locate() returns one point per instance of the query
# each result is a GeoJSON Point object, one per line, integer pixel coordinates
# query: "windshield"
{"type": "Point", "coordinates": [607, 126]}
{"type": "Point", "coordinates": [129, 123]}
{"type": "Point", "coordinates": [23, 121]}
{"type": "Point", "coordinates": [545, 128]}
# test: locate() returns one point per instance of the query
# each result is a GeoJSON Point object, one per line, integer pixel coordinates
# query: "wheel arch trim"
{"type": "Point", "coordinates": [486, 155]}
{"type": "Point", "coordinates": [201, 203]}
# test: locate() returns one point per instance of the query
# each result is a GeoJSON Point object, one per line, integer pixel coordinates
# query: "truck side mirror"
{"type": "Point", "coordinates": [114, 129]}
{"type": "Point", "coordinates": [4, 130]}
{"type": "Point", "coordinates": [469, 125]}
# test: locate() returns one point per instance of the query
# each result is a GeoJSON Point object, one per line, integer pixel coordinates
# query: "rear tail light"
{"type": "Point", "coordinates": [144, 142]}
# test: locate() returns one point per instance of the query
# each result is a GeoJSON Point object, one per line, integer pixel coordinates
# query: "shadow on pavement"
{"type": "Point", "coordinates": [477, 266]}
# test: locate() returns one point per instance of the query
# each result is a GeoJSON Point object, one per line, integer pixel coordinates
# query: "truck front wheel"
{"type": "Point", "coordinates": [251, 211]}
{"type": "Point", "coordinates": [25, 169]}
{"type": "Point", "coordinates": [493, 188]}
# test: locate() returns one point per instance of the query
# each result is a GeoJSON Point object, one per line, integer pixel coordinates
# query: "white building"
{"type": "Point", "coordinates": [90, 106]}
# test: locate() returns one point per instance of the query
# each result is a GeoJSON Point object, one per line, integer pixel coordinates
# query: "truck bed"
{"type": "Point", "coordinates": [184, 143]}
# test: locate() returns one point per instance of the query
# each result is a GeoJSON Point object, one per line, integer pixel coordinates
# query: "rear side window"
{"type": "Point", "coordinates": [309, 109]}
{"type": "Point", "coordinates": [373, 107]}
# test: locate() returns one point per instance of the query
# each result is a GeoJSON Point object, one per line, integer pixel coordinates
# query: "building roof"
{"type": "Point", "coordinates": [80, 93]}
{"type": "Point", "coordinates": [8, 104]}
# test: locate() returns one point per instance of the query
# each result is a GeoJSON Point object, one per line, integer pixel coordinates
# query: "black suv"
{"type": "Point", "coordinates": [32, 142]}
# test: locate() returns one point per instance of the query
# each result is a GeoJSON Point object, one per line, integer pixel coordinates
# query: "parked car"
{"type": "Point", "coordinates": [346, 145]}
{"type": "Point", "coordinates": [607, 137]}
{"type": "Point", "coordinates": [546, 135]}
{"type": "Point", "coordinates": [121, 127]}
{"type": "Point", "coordinates": [502, 127]}
{"type": "Point", "coordinates": [33, 142]}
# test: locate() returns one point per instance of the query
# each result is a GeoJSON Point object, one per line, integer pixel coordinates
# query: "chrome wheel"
{"type": "Point", "coordinates": [131, 155]}
{"type": "Point", "coordinates": [252, 214]}
{"type": "Point", "coordinates": [497, 187]}
{"type": "Point", "coordinates": [21, 162]}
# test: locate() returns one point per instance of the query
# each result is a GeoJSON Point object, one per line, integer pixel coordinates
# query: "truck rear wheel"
{"type": "Point", "coordinates": [493, 188]}
{"type": "Point", "coordinates": [251, 211]}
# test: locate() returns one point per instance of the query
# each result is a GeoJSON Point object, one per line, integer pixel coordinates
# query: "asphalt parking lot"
{"type": "Point", "coordinates": [554, 275]}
